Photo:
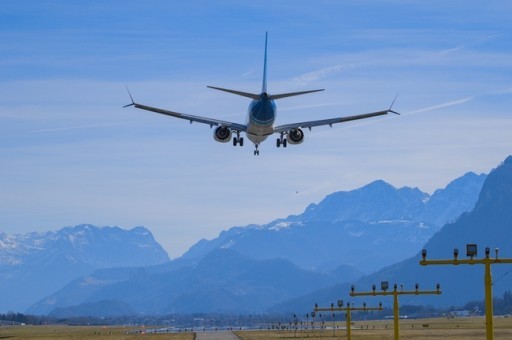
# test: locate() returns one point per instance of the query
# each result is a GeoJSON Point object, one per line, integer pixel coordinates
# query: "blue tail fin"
{"type": "Point", "coordinates": [264, 86]}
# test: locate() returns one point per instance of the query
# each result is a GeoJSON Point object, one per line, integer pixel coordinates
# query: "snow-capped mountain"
{"type": "Point", "coordinates": [36, 264]}
{"type": "Point", "coordinates": [367, 228]}
{"type": "Point", "coordinates": [488, 224]}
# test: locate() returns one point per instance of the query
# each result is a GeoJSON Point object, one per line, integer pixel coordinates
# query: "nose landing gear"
{"type": "Point", "coordinates": [256, 151]}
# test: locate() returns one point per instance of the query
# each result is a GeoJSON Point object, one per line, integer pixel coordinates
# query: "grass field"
{"type": "Point", "coordinates": [452, 329]}
{"type": "Point", "coordinates": [83, 332]}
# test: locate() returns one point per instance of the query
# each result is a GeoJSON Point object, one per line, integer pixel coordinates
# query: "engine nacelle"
{"type": "Point", "coordinates": [295, 136]}
{"type": "Point", "coordinates": [222, 134]}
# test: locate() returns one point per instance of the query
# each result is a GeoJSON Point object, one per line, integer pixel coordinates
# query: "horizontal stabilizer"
{"type": "Point", "coordinates": [291, 94]}
{"type": "Point", "coordinates": [240, 93]}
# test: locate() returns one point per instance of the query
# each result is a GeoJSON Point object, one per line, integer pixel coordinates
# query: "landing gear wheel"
{"type": "Point", "coordinates": [235, 141]}
{"type": "Point", "coordinates": [278, 142]}
{"type": "Point", "coordinates": [241, 141]}
{"type": "Point", "coordinates": [285, 142]}
{"type": "Point", "coordinates": [256, 152]}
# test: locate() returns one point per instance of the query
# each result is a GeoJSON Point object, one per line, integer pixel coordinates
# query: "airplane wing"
{"type": "Point", "coordinates": [313, 123]}
{"type": "Point", "coordinates": [209, 121]}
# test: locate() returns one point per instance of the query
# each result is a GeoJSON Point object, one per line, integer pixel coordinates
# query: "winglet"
{"type": "Point", "coordinates": [391, 106]}
{"type": "Point", "coordinates": [264, 85]}
{"type": "Point", "coordinates": [131, 98]}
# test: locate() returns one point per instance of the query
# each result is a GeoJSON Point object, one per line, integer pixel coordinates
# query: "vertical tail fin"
{"type": "Point", "coordinates": [264, 86]}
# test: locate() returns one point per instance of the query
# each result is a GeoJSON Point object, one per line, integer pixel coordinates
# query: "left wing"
{"type": "Point", "coordinates": [205, 120]}
{"type": "Point", "coordinates": [313, 123]}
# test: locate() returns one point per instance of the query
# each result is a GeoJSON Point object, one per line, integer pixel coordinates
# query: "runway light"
{"type": "Point", "coordinates": [455, 253]}
{"type": "Point", "coordinates": [487, 251]}
{"type": "Point", "coordinates": [352, 288]}
{"type": "Point", "coordinates": [417, 286]}
{"type": "Point", "coordinates": [424, 254]}
{"type": "Point", "coordinates": [384, 285]}
{"type": "Point", "coordinates": [496, 250]}
{"type": "Point", "coordinates": [340, 303]}
{"type": "Point", "coordinates": [471, 250]}
{"type": "Point", "coordinates": [438, 287]}
{"type": "Point", "coordinates": [373, 288]}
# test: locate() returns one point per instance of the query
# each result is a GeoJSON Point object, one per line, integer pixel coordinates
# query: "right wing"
{"type": "Point", "coordinates": [205, 120]}
{"type": "Point", "coordinates": [313, 123]}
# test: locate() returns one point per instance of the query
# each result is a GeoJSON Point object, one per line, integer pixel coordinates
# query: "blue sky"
{"type": "Point", "coordinates": [70, 153]}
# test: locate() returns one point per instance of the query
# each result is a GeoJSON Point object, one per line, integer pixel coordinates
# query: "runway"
{"type": "Point", "coordinates": [216, 336]}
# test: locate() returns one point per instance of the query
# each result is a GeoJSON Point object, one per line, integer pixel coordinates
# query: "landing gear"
{"type": "Point", "coordinates": [256, 151]}
{"type": "Point", "coordinates": [281, 141]}
{"type": "Point", "coordinates": [238, 140]}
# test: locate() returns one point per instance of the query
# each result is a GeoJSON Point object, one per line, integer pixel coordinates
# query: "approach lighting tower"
{"type": "Point", "coordinates": [347, 311]}
{"type": "Point", "coordinates": [487, 261]}
{"type": "Point", "coordinates": [395, 292]}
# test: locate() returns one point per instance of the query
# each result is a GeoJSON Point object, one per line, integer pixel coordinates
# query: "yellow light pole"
{"type": "Point", "coordinates": [395, 292]}
{"type": "Point", "coordinates": [487, 261]}
{"type": "Point", "coordinates": [347, 311]}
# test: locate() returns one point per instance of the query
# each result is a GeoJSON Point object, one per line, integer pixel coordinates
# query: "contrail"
{"type": "Point", "coordinates": [440, 106]}
{"type": "Point", "coordinates": [462, 100]}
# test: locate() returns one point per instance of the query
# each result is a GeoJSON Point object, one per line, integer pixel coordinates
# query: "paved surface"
{"type": "Point", "coordinates": [216, 336]}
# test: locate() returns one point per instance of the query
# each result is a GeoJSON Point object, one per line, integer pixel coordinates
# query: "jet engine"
{"type": "Point", "coordinates": [222, 134]}
{"type": "Point", "coordinates": [295, 136]}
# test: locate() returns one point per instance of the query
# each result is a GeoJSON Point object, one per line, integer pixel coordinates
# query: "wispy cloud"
{"type": "Point", "coordinates": [440, 106]}
{"type": "Point", "coordinates": [325, 72]}
{"type": "Point", "coordinates": [461, 100]}
{"type": "Point", "coordinates": [469, 44]}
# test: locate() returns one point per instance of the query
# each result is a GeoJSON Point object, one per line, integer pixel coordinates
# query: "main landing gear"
{"type": "Point", "coordinates": [238, 140]}
{"type": "Point", "coordinates": [281, 141]}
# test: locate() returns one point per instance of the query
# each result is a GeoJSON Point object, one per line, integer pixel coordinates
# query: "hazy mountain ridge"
{"type": "Point", "coordinates": [245, 269]}
{"type": "Point", "coordinates": [223, 281]}
{"type": "Point", "coordinates": [377, 217]}
{"type": "Point", "coordinates": [489, 224]}
{"type": "Point", "coordinates": [36, 264]}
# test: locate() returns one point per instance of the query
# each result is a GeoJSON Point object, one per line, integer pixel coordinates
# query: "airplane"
{"type": "Point", "coordinates": [260, 117]}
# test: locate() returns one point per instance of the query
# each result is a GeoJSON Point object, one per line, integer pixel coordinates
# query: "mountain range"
{"type": "Point", "coordinates": [250, 269]}
{"type": "Point", "coordinates": [287, 264]}
{"type": "Point", "coordinates": [36, 264]}
{"type": "Point", "coordinates": [487, 225]}
{"type": "Point", "coordinates": [366, 228]}
{"type": "Point", "coordinates": [221, 282]}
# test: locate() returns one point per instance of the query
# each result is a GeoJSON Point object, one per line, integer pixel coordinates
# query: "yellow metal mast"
{"type": "Point", "coordinates": [395, 292]}
{"type": "Point", "coordinates": [347, 311]}
{"type": "Point", "coordinates": [487, 261]}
